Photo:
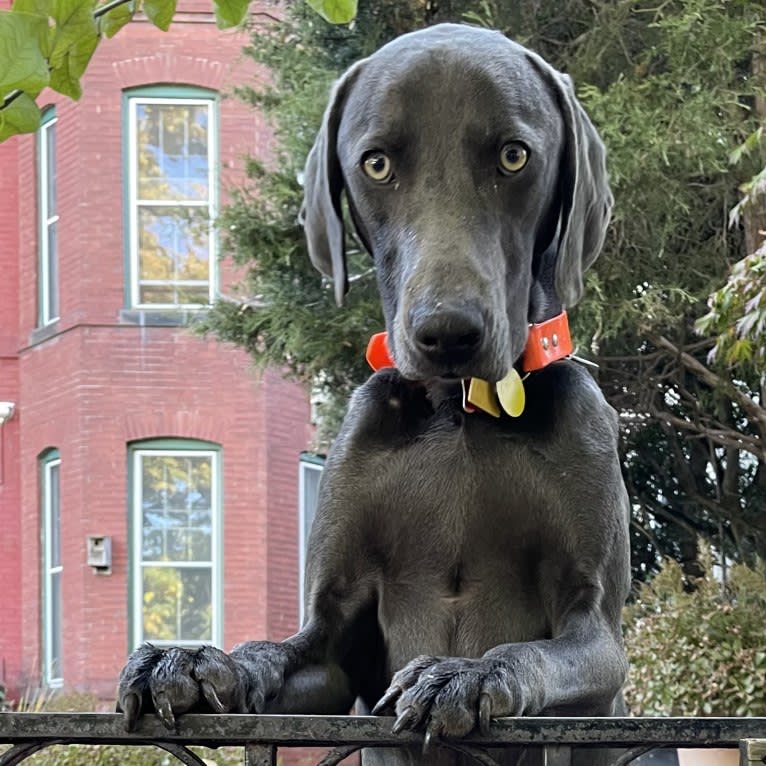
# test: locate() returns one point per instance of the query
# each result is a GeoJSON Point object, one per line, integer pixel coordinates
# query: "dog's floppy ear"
{"type": "Point", "coordinates": [586, 197]}
{"type": "Point", "coordinates": [321, 212]}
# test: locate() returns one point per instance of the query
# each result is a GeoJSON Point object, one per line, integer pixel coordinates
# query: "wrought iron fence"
{"type": "Point", "coordinates": [262, 736]}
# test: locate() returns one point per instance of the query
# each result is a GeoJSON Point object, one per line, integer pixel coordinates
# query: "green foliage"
{"type": "Point", "coordinates": [115, 19]}
{"type": "Point", "coordinates": [737, 311]}
{"type": "Point", "coordinates": [698, 650]}
{"type": "Point", "coordinates": [160, 12]}
{"type": "Point", "coordinates": [737, 314]}
{"type": "Point", "coordinates": [121, 755]}
{"type": "Point", "coordinates": [229, 13]}
{"type": "Point", "coordinates": [335, 11]}
{"type": "Point", "coordinates": [671, 119]}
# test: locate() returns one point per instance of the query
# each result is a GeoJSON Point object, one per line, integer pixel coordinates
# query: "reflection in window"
{"type": "Point", "coordinates": [172, 185]}
{"type": "Point", "coordinates": [176, 516]}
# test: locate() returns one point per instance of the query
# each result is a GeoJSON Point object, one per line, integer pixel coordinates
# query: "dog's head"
{"type": "Point", "coordinates": [478, 184]}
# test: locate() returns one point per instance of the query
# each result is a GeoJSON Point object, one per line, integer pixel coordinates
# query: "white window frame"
{"type": "Point", "coordinates": [216, 564]}
{"type": "Point", "coordinates": [48, 289]}
{"type": "Point", "coordinates": [51, 680]}
{"type": "Point", "coordinates": [304, 466]}
{"type": "Point", "coordinates": [134, 202]}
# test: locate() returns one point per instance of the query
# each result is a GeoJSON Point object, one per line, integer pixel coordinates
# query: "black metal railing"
{"type": "Point", "coordinates": [261, 737]}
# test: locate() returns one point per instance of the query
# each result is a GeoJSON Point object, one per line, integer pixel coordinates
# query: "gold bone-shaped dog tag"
{"type": "Point", "coordinates": [481, 395]}
{"type": "Point", "coordinates": [510, 392]}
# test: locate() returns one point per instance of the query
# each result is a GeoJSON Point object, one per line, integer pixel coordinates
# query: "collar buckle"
{"type": "Point", "coordinates": [547, 342]}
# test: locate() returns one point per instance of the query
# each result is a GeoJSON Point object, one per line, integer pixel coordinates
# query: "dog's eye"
{"type": "Point", "coordinates": [513, 157]}
{"type": "Point", "coordinates": [377, 166]}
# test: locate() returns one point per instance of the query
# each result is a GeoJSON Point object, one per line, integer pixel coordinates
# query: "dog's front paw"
{"type": "Point", "coordinates": [175, 680]}
{"type": "Point", "coordinates": [450, 697]}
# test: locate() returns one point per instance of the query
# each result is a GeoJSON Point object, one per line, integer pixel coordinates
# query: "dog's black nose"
{"type": "Point", "coordinates": [447, 335]}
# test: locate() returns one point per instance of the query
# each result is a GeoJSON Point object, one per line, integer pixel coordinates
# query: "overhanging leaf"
{"type": "Point", "coordinates": [160, 12]}
{"type": "Point", "coordinates": [115, 19]}
{"type": "Point", "coordinates": [22, 63]}
{"type": "Point", "coordinates": [230, 13]}
{"type": "Point", "coordinates": [335, 11]}
{"type": "Point", "coordinates": [20, 116]}
{"type": "Point", "coordinates": [74, 28]}
{"type": "Point", "coordinates": [65, 78]}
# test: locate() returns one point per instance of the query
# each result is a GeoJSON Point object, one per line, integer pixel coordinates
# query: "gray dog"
{"type": "Point", "coordinates": [463, 565]}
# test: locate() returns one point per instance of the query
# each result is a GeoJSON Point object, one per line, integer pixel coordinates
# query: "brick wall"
{"type": "Point", "coordinates": [10, 480]}
{"type": "Point", "coordinates": [97, 383]}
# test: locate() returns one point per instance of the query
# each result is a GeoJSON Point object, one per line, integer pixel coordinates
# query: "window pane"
{"type": "Point", "coordinates": [54, 517]}
{"type": "Point", "coordinates": [177, 604]}
{"type": "Point", "coordinates": [188, 294]}
{"type": "Point", "coordinates": [172, 203]}
{"type": "Point", "coordinates": [176, 505]}
{"type": "Point", "coordinates": [154, 294]}
{"type": "Point", "coordinates": [50, 168]}
{"type": "Point", "coordinates": [176, 510]}
{"type": "Point", "coordinates": [172, 152]}
{"type": "Point", "coordinates": [52, 272]}
{"type": "Point", "coordinates": [173, 243]}
{"type": "Point", "coordinates": [55, 627]}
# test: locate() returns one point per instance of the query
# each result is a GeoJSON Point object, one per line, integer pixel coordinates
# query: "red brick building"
{"type": "Point", "coordinates": [148, 477]}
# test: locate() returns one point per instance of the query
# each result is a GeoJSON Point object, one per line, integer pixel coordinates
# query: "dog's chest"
{"type": "Point", "coordinates": [461, 533]}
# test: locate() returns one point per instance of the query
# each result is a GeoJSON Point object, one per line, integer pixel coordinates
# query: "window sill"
{"type": "Point", "coordinates": [39, 334]}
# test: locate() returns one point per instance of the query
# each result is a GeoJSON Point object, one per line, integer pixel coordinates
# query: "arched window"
{"type": "Point", "coordinates": [175, 520]}
{"type": "Point", "coordinates": [172, 176]}
{"type": "Point", "coordinates": [52, 568]}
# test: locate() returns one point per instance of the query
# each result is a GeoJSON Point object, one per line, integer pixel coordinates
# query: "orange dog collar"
{"type": "Point", "coordinates": [547, 342]}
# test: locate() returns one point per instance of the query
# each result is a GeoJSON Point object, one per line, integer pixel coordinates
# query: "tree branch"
{"type": "Point", "coordinates": [724, 438]}
{"type": "Point", "coordinates": [755, 411]}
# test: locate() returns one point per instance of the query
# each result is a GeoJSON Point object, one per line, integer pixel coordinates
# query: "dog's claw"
{"type": "Point", "coordinates": [212, 698]}
{"type": "Point", "coordinates": [386, 700]}
{"type": "Point", "coordinates": [485, 713]}
{"type": "Point", "coordinates": [165, 712]}
{"type": "Point", "coordinates": [132, 705]}
{"type": "Point", "coordinates": [408, 717]}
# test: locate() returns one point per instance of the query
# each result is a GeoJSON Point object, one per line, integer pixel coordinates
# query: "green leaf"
{"type": "Point", "coordinates": [75, 29]}
{"type": "Point", "coordinates": [160, 12]}
{"type": "Point", "coordinates": [230, 13]}
{"type": "Point", "coordinates": [65, 78]}
{"type": "Point", "coordinates": [22, 63]}
{"type": "Point", "coordinates": [20, 116]}
{"type": "Point", "coordinates": [35, 7]}
{"type": "Point", "coordinates": [114, 20]}
{"type": "Point", "coordinates": [335, 11]}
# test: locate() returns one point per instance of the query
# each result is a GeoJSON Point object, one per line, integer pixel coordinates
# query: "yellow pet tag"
{"type": "Point", "coordinates": [481, 395]}
{"type": "Point", "coordinates": [510, 392]}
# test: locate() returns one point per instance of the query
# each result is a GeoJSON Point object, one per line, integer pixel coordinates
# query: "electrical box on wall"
{"type": "Point", "coordinates": [100, 553]}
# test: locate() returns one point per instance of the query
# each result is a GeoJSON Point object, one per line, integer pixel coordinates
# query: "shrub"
{"type": "Point", "coordinates": [698, 650]}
